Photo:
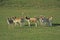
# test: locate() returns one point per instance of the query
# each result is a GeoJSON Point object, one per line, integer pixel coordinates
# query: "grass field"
{"type": "Point", "coordinates": [26, 32]}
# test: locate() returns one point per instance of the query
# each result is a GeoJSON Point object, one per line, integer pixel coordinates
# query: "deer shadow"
{"type": "Point", "coordinates": [55, 24]}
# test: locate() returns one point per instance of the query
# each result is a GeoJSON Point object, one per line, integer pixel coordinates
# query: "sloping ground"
{"type": "Point", "coordinates": [31, 3]}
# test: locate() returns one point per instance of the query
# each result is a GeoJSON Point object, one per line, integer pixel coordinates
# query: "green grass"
{"type": "Point", "coordinates": [26, 32]}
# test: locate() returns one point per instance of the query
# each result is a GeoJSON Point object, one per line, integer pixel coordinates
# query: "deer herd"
{"type": "Point", "coordinates": [42, 20]}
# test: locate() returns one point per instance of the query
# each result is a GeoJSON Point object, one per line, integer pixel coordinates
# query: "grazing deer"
{"type": "Point", "coordinates": [50, 21]}
{"type": "Point", "coordinates": [46, 21]}
{"type": "Point", "coordinates": [18, 20]}
{"type": "Point", "coordinates": [15, 20]}
{"type": "Point", "coordinates": [29, 20]}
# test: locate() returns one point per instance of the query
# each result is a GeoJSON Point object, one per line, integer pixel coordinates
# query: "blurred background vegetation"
{"type": "Point", "coordinates": [30, 3]}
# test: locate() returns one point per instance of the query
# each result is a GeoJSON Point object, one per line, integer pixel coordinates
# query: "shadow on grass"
{"type": "Point", "coordinates": [55, 24]}
{"type": "Point", "coordinates": [30, 25]}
